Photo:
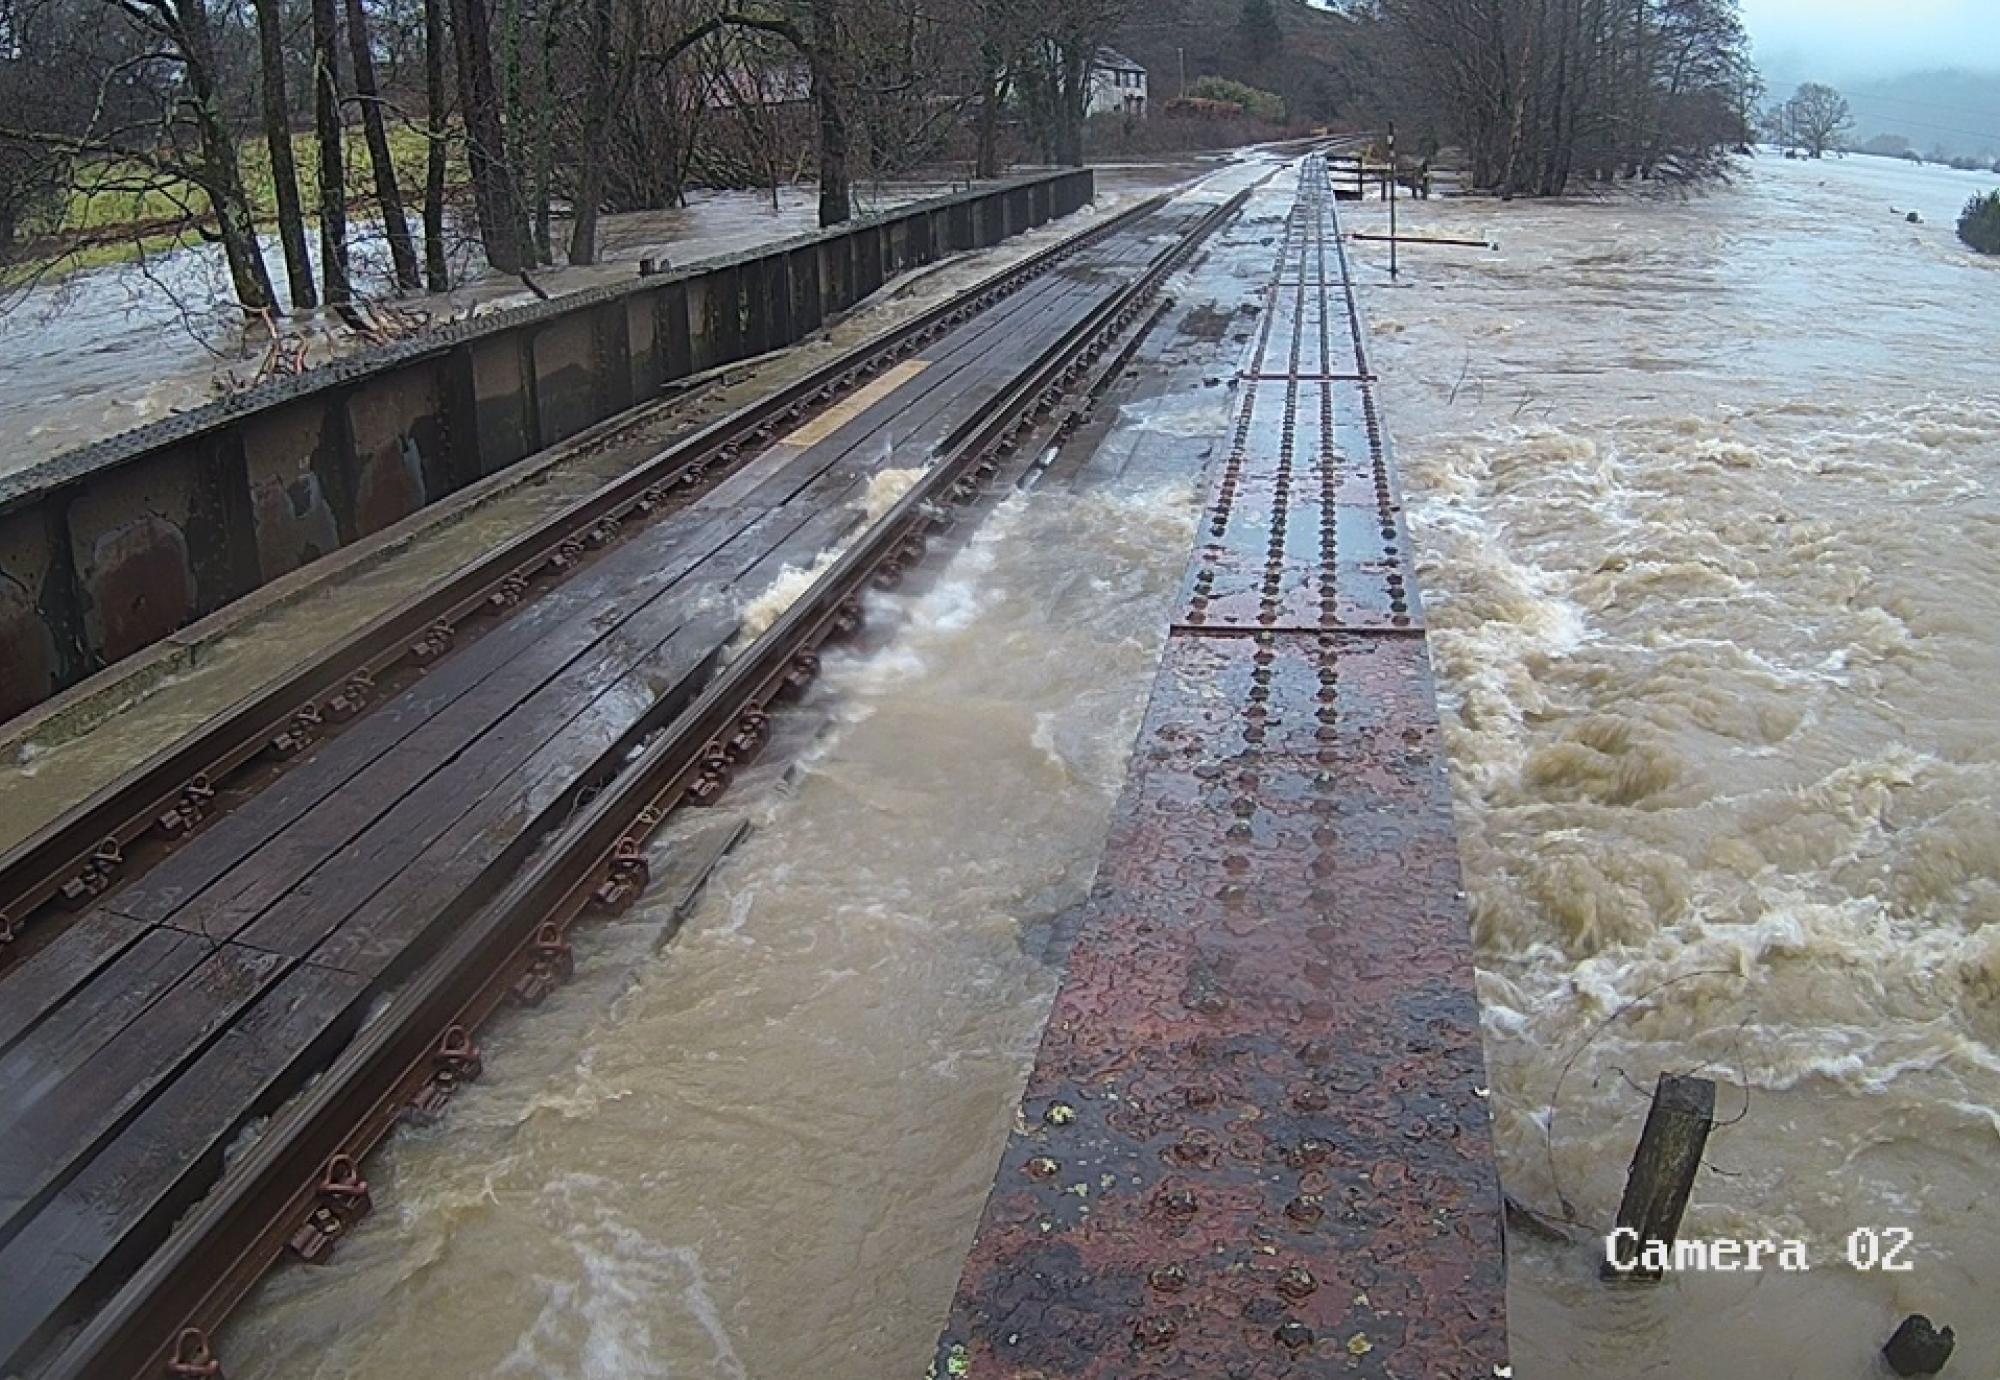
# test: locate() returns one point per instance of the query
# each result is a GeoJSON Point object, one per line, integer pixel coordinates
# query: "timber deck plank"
{"type": "Point", "coordinates": [127, 1199]}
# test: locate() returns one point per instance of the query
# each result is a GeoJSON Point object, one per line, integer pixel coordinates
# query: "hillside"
{"type": "Point", "coordinates": [1955, 112]}
{"type": "Point", "coordinates": [1308, 69]}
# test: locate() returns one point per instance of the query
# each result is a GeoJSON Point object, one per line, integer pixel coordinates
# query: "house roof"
{"type": "Point", "coordinates": [1111, 60]}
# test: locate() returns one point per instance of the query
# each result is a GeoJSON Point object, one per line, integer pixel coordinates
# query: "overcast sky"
{"type": "Point", "coordinates": [1838, 40]}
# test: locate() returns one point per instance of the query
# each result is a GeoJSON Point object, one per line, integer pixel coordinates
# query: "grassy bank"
{"type": "Point", "coordinates": [121, 212]}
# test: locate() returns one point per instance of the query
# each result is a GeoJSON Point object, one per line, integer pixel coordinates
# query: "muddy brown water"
{"type": "Point", "coordinates": [762, 1149]}
{"type": "Point", "coordinates": [1705, 496]}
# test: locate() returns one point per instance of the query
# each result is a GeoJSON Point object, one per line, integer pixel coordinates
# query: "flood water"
{"type": "Point", "coordinates": [108, 349]}
{"type": "Point", "coordinates": [1706, 499]}
{"type": "Point", "coordinates": [105, 350]}
{"type": "Point", "coordinates": [763, 1150]}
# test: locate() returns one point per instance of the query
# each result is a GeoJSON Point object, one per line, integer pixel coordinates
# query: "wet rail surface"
{"type": "Point", "coordinates": [1255, 1142]}
{"type": "Point", "coordinates": [138, 1045]}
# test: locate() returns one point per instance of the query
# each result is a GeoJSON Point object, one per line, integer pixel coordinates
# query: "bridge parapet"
{"type": "Point", "coordinates": [109, 549]}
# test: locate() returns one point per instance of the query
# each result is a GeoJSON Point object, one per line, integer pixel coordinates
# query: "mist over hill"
{"type": "Point", "coordinates": [1949, 111]}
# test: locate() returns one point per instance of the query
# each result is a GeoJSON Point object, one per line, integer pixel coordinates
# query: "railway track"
{"type": "Point", "coordinates": [154, 1264]}
{"type": "Point", "coordinates": [76, 857]}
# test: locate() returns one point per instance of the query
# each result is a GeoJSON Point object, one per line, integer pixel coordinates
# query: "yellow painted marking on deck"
{"type": "Point", "coordinates": [865, 397]}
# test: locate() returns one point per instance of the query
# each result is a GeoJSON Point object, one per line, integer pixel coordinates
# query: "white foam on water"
{"type": "Point", "coordinates": [885, 489]}
{"type": "Point", "coordinates": [1707, 543]}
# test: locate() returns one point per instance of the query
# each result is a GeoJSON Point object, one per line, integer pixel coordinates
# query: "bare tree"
{"type": "Point", "coordinates": [277, 112]}
{"type": "Point", "coordinates": [389, 197]}
{"type": "Point", "coordinates": [816, 31]}
{"type": "Point", "coordinates": [1058, 65]}
{"type": "Point", "coordinates": [1542, 92]}
{"type": "Point", "coordinates": [824, 54]}
{"type": "Point", "coordinates": [613, 50]}
{"type": "Point", "coordinates": [1819, 118]}
{"type": "Point", "coordinates": [156, 123]}
{"type": "Point", "coordinates": [502, 225]}
{"type": "Point", "coordinates": [332, 166]}
{"type": "Point", "coordinates": [437, 271]}
{"type": "Point", "coordinates": [1002, 43]}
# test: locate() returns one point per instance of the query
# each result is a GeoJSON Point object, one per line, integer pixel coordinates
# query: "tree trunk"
{"type": "Point", "coordinates": [437, 272]}
{"type": "Point", "coordinates": [836, 193]}
{"type": "Point", "coordinates": [500, 224]}
{"type": "Point", "coordinates": [1072, 102]}
{"type": "Point", "coordinates": [992, 92]}
{"type": "Point", "coordinates": [222, 178]}
{"type": "Point", "coordinates": [583, 229]}
{"type": "Point", "coordinates": [284, 169]}
{"type": "Point", "coordinates": [402, 250]}
{"type": "Point", "coordinates": [597, 103]}
{"type": "Point", "coordinates": [542, 152]}
{"type": "Point", "coordinates": [523, 135]}
{"type": "Point", "coordinates": [332, 169]}
{"type": "Point", "coordinates": [1526, 97]}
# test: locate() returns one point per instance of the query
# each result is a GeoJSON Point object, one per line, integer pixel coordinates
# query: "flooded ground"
{"type": "Point", "coordinates": [61, 761]}
{"type": "Point", "coordinates": [762, 1150]}
{"type": "Point", "coordinates": [1705, 494]}
{"type": "Point", "coordinates": [113, 348]}
{"type": "Point", "coordinates": [109, 349]}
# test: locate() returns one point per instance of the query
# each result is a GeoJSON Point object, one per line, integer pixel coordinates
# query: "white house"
{"type": "Point", "coordinates": [1117, 85]}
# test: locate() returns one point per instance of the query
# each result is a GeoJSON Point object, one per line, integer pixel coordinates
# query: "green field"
{"type": "Point", "coordinates": [117, 212]}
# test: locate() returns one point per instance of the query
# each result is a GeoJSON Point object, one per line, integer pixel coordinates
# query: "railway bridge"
{"type": "Point", "coordinates": [1253, 1141]}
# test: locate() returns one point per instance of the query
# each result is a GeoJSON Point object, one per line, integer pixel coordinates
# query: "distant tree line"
{"type": "Point", "coordinates": [502, 128]}
{"type": "Point", "coordinates": [1543, 95]}
{"type": "Point", "coordinates": [1899, 146]}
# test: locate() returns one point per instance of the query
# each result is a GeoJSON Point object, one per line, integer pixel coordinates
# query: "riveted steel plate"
{"type": "Point", "coordinates": [1303, 527]}
{"type": "Point", "coordinates": [1254, 1142]}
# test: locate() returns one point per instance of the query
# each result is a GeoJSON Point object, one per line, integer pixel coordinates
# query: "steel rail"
{"type": "Point", "coordinates": [304, 1168]}
{"type": "Point", "coordinates": [78, 855]}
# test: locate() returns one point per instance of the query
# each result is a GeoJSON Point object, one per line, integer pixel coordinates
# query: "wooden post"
{"type": "Point", "coordinates": [1662, 1174]}
{"type": "Point", "coordinates": [1394, 266]}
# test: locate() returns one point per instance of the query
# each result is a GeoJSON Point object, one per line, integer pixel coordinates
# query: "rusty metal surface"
{"type": "Point", "coordinates": [1303, 528]}
{"type": "Point", "coordinates": [1313, 539]}
{"type": "Point", "coordinates": [1254, 1142]}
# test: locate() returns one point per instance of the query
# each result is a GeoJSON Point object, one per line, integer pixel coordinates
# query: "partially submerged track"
{"type": "Point", "coordinates": [1254, 1141]}
{"type": "Point", "coordinates": [76, 857]}
{"type": "Point", "coordinates": [356, 919]}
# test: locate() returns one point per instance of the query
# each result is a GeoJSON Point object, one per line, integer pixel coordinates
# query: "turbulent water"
{"type": "Point", "coordinates": [1703, 492]}
{"type": "Point", "coordinates": [763, 1152]}
{"type": "Point", "coordinates": [1705, 496]}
